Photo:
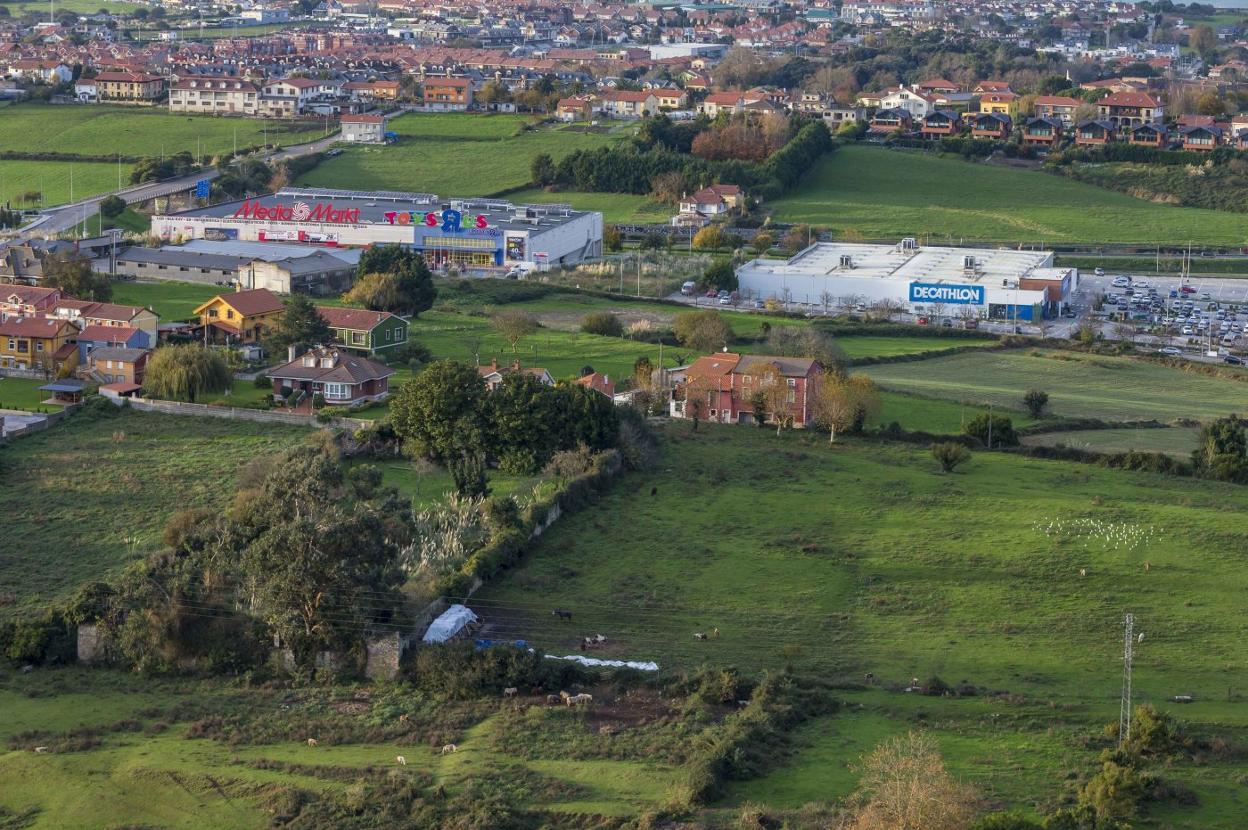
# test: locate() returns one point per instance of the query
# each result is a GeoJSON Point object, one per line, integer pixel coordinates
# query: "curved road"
{"type": "Point", "coordinates": [63, 217]}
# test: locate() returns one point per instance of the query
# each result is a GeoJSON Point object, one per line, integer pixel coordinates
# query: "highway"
{"type": "Point", "coordinates": [57, 220]}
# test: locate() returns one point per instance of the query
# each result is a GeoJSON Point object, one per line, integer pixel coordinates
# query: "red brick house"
{"type": "Point", "coordinates": [341, 378]}
{"type": "Point", "coordinates": [722, 385]}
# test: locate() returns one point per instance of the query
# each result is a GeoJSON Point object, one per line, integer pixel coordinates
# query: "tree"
{"type": "Point", "coordinates": [1209, 103]}
{"type": "Point", "coordinates": [806, 341]}
{"type": "Point", "coordinates": [1202, 40]}
{"type": "Point", "coordinates": [1113, 793]}
{"type": "Point", "coordinates": [543, 170]}
{"type": "Point", "coordinates": [513, 325]}
{"type": "Point", "coordinates": [408, 290]}
{"type": "Point", "coordinates": [703, 331]}
{"type": "Point", "coordinates": [300, 325]}
{"type": "Point", "coordinates": [1222, 451]}
{"type": "Point", "coordinates": [611, 238]}
{"type": "Point", "coordinates": [603, 323]}
{"type": "Point", "coordinates": [762, 242]}
{"type": "Point", "coordinates": [721, 275]}
{"type": "Point", "coordinates": [798, 237]}
{"type": "Point", "coordinates": [904, 785]}
{"type": "Point", "coordinates": [710, 238]}
{"type": "Point", "coordinates": [74, 276]}
{"type": "Point", "coordinates": [834, 403]}
{"type": "Point", "coordinates": [112, 206]}
{"type": "Point", "coordinates": [185, 372]}
{"type": "Point", "coordinates": [440, 415]}
{"type": "Point", "coordinates": [950, 454]}
{"type": "Point", "coordinates": [868, 395]}
{"type": "Point", "coordinates": [699, 392]}
{"type": "Point", "coordinates": [1036, 400]}
{"type": "Point", "coordinates": [524, 418]}
{"type": "Point", "coordinates": [770, 393]}
{"type": "Point", "coordinates": [992, 430]}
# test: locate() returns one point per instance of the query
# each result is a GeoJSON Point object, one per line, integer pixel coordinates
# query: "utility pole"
{"type": "Point", "coordinates": [1124, 707]}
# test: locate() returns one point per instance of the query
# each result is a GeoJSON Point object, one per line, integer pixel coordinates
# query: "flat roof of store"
{"type": "Point", "coordinates": [917, 264]}
{"type": "Point", "coordinates": [374, 204]}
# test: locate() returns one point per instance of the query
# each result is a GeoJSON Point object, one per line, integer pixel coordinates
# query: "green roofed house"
{"type": "Point", "coordinates": [365, 332]}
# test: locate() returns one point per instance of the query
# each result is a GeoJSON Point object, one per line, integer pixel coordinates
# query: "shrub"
{"type": "Point", "coordinates": [950, 455]}
{"type": "Point", "coordinates": [603, 323]}
{"type": "Point", "coordinates": [261, 381]}
{"type": "Point", "coordinates": [1035, 400]}
{"type": "Point", "coordinates": [992, 430]}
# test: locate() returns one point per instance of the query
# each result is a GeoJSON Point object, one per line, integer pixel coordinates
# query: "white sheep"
{"type": "Point", "coordinates": [400, 760]}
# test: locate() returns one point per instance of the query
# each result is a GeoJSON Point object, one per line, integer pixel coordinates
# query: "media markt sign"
{"type": "Point", "coordinates": [930, 292]}
{"type": "Point", "coordinates": [299, 212]}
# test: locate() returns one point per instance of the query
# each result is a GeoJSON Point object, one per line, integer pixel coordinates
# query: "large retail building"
{"type": "Point", "coordinates": [994, 283]}
{"type": "Point", "coordinates": [471, 232]}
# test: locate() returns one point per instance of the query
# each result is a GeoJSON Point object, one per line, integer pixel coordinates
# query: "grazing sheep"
{"type": "Point", "coordinates": [510, 691]}
{"type": "Point", "coordinates": [313, 742]}
{"type": "Point", "coordinates": [562, 614]}
{"type": "Point", "coordinates": [552, 700]}
{"type": "Point", "coordinates": [577, 700]}
{"type": "Point", "coordinates": [565, 695]}
{"type": "Point", "coordinates": [400, 760]}
{"type": "Point", "coordinates": [714, 632]}
{"type": "Point", "coordinates": [27, 669]}
{"type": "Point", "coordinates": [449, 748]}
{"type": "Point", "coordinates": [404, 718]}
{"type": "Point", "coordinates": [1083, 571]}
{"type": "Point", "coordinates": [41, 749]}
{"type": "Point", "coordinates": [698, 635]}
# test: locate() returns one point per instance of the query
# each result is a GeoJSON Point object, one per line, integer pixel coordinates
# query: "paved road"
{"type": "Point", "coordinates": [64, 217]}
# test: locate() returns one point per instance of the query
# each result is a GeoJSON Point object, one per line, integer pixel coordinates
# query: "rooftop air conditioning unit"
{"type": "Point", "coordinates": [970, 265]}
{"type": "Point", "coordinates": [847, 261]}
{"type": "Point", "coordinates": [909, 244]}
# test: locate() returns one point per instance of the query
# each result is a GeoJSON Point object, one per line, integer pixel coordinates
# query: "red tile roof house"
{"type": "Point", "coordinates": [340, 377]}
{"type": "Point", "coordinates": [1128, 110]}
{"type": "Point", "coordinates": [97, 337]}
{"type": "Point", "coordinates": [724, 383]}
{"type": "Point", "coordinates": [599, 383]}
{"type": "Point", "coordinates": [493, 374]}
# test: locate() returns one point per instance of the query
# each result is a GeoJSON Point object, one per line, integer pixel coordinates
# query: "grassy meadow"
{"type": "Point", "coordinates": [1177, 441]}
{"type": "Point", "coordinates": [616, 208]}
{"type": "Point", "coordinates": [1079, 385]}
{"type": "Point", "coordinates": [436, 150]}
{"type": "Point", "coordinates": [89, 494]}
{"type": "Point", "coordinates": [887, 194]}
{"type": "Point", "coordinates": [23, 393]}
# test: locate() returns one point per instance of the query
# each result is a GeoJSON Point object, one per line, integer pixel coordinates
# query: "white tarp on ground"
{"type": "Point", "coordinates": [615, 664]}
{"type": "Point", "coordinates": [449, 623]}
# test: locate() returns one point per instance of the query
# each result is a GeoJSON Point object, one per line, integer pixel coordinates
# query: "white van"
{"type": "Point", "coordinates": [689, 288]}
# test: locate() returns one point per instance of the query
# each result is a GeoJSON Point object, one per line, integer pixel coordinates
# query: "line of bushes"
{"type": "Point", "coordinates": [841, 328]}
{"type": "Point", "coordinates": [927, 354]}
{"type": "Point", "coordinates": [17, 155]}
{"type": "Point", "coordinates": [1150, 462]}
{"type": "Point", "coordinates": [1137, 153]}
{"type": "Point", "coordinates": [507, 547]}
{"type": "Point", "coordinates": [1084, 424]}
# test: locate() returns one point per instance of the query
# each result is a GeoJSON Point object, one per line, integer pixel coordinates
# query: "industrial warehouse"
{"type": "Point", "coordinates": [463, 232]}
{"type": "Point", "coordinates": [993, 283]}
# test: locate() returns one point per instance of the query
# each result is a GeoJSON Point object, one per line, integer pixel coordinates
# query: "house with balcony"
{"type": "Point", "coordinates": [1128, 110]}
{"type": "Point", "coordinates": [339, 377]}
{"type": "Point", "coordinates": [1042, 132]}
{"type": "Point", "coordinates": [999, 103]}
{"type": "Point", "coordinates": [218, 96]}
{"type": "Point", "coordinates": [36, 343]}
{"type": "Point", "coordinates": [622, 103]}
{"type": "Point", "coordinates": [1201, 138]}
{"type": "Point", "coordinates": [940, 123]}
{"type": "Point", "coordinates": [238, 317]}
{"type": "Point", "coordinates": [448, 94]}
{"type": "Point", "coordinates": [1149, 135]}
{"type": "Point", "coordinates": [129, 87]}
{"type": "Point", "coordinates": [890, 121]}
{"type": "Point", "coordinates": [991, 125]}
{"type": "Point", "coordinates": [916, 103]}
{"type": "Point", "coordinates": [1060, 107]}
{"type": "Point", "coordinates": [1095, 133]}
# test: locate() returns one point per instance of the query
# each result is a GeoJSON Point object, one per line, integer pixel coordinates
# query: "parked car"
{"type": "Point", "coordinates": [689, 288]}
{"type": "Point", "coordinates": [1100, 272]}
{"type": "Point", "coordinates": [1069, 312]}
{"type": "Point", "coordinates": [1173, 351]}
{"type": "Point", "coordinates": [1119, 282]}
{"type": "Point", "coordinates": [1233, 360]}
{"type": "Point", "coordinates": [922, 321]}
{"type": "Point", "coordinates": [971, 324]}
{"type": "Point", "coordinates": [946, 323]}
{"type": "Point", "coordinates": [1187, 289]}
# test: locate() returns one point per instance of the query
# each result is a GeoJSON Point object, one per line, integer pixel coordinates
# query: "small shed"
{"type": "Point", "coordinates": [450, 623]}
{"type": "Point", "coordinates": [67, 391]}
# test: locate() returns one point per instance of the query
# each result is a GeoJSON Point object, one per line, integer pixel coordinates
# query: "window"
{"type": "Point", "coordinates": [229, 314]}
{"type": "Point", "coordinates": [12, 345]}
{"type": "Point", "coordinates": [23, 345]}
{"type": "Point", "coordinates": [338, 391]}
{"type": "Point", "coordinates": [400, 335]}
{"type": "Point", "coordinates": [358, 338]}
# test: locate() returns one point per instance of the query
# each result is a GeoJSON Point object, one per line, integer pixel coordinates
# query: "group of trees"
{"type": "Point", "coordinates": [393, 278]}
{"type": "Point", "coordinates": [1222, 452]}
{"type": "Point", "coordinates": [73, 275]}
{"type": "Point", "coordinates": [156, 168]}
{"type": "Point", "coordinates": [744, 139]}
{"type": "Point", "coordinates": [447, 415]}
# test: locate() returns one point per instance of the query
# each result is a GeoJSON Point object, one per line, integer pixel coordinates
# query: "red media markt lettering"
{"type": "Point", "coordinates": [301, 212]}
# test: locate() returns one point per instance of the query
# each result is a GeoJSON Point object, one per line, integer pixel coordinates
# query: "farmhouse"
{"type": "Point", "coordinates": [722, 387]}
{"type": "Point", "coordinates": [493, 374]}
{"type": "Point", "coordinates": [447, 94]}
{"type": "Point", "coordinates": [475, 232]}
{"type": "Point", "coordinates": [342, 379]}
{"type": "Point", "coordinates": [364, 129]}
{"type": "Point", "coordinates": [979, 282]}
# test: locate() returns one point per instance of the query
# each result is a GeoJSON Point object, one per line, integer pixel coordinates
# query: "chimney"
{"type": "Point", "coordinates": [515, 366]}
{"type": "Point", "coordinates": [291, 353]}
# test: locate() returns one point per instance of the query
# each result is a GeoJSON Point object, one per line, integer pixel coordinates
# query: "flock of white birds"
{"type": "Point", "coordinates": [1099, 534]}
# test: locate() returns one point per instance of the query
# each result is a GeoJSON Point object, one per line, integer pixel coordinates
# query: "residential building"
{"type": "Point", "coordinates": [722, 387]}
{"type": "Point", "coordinates": [1042, 132]}
{"type": "Point", "coordinates": [628, 104]}
{"type": "Point", "coordinates": [103, 337]}
{"type": "Point", "coordinates": [712, 201]}
{"type": "Point", "coordinates": [239, 317]}
{"type": "Point", "coordinates": [34, 342]}
{"type": "Point", "coordinates": [28, 299]}
{"type": "Point", "coordinates": [1060, 107]}
{"type": "Point", "coordinates": [366, 332]}
{"type": "Point", "coordinates": [83, 313]}
{"type": "Point", "coordinates": [599, 383]}
{"type": "Point", "coordinates": [454, 94]}
{"type": "Point", "coordinates": [493, 374]}
{"type": "Point", "coordinates": [364, 129]}
{"type": "Point", "coordinates": [670, 99]}
{"type": "Point", "coordinates": [1003, 103]}
{"type": "Point", "coordinates": [911, 100]}
{"type": "Point", "coordinates": [220, 96]}
{"type": "Point", "coordinates": [731, 101]}
{"type": "Point", "coordinates": [574, 109]}
{"type": "Point", "coordinates": [341, 378]}
{"type": "Point", "coordinates": [939, 123]}
{"type": "Point", "coordinates": [994, 125]}
{"type": "Point", "coordinates": [1128, 110]}
{"type": "Point", "coordinates": [938, 86]}
{"type": "Point", "coordinates": [113, 364]}
{"type": "Point", "coordinates": [129, 87]}
{"type": "Point", "coordinates": [889, 121]}
{"type": "Point", "coordinates": [1202, 138]}
{"type": "Point", "coordinates": [1149, 135]}
{"type": "Point", "coordinates": [1094, 133]}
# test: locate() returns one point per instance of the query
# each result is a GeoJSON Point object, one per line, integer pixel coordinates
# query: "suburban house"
{"type": "Point", "coordinates": [574, 109]}
{"type": "Point", "coordinates": [911, 100]}
{"type": "Point", "coordinates": [343, 379]}
{"type": "Point", "coordinates": [288, 97]}
{"type": "Point", "coordinates": [723, 384]}
{"type": "Point", "coordinates": [28, 299]}
{"type": "Point", "coordinates": [103, 337]}
{"type": "Point", "coordinates": [598, 383]}
{"type": "Point", "coordinates": [238, 317]}
{"type": "Point", "coordinates": [493, 374]}
{"type": "Point", "coordinates": [1003, 103]}
{"type": "Point", "coordinates": [1149, 135]}
{"type": "Point", "coordinates": [368, 332]}
{"type": "Point", "coordinates": [84, 313]}
{"type": "Point", "coordinates": [888, 121]}
{"type": "Point", "coordinates": [1128, 110]}
{"type": "Point", "coordinates": [731, 102]}
{"type": "Point", "coordinates": [114, 364]}
{"type": "Point", "coordinates": [447, 93]}
{"type": "Point", "coordinates": [1093, 133]}
{"type": "Point", "coordinates": [22, 264]}
{"type": "Point", "coordinates": [937, 86]}
{"type": "Point", "coordinates": [364, 129]}
{"type": "Point", "coordinates": [1059, 107]}
{"type": "Point", "coordinates": [628, 104]}
{"type": "Point", "coordinates": [940, 123]}
{"type": "Point", "coordinates": [129, 87]}
{"type": "Point", "coordinates": [670, 99]}
{"type": "Point", "coordinates": [712, 201]}
{"type": "Point", "coordinates": [223, 96]}
{"type": "Point", "coordinates": [1042, 132]}
{"type": "Point", "coordinates": [995, 125]}
{"type": "Point", "coordinates": [1202, 138]}
{"type": "Point", "coordinates": [35, 343]}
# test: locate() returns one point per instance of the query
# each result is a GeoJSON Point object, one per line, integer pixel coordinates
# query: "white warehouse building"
{"type": "Point", "coordinates": [995, 283]}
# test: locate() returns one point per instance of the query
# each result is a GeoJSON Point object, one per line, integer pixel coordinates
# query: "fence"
{"type": "Point", "coordinates": [241, 414]}
{"type": "Point", "coordinates": [32, 422]}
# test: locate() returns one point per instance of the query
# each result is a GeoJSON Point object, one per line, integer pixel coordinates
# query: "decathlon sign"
{"type": "Point", "coordinates": [298, 212]}
{"type": "Point", "coordinates": [928, 292]}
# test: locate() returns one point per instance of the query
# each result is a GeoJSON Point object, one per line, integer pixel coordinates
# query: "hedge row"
{"type": "Point", "coordinates": [16, 155]}
{"type": "Point", "coordinates": [1151, 462]}
{"type": "Point", "coordinates": [1083, 424]}
{"type": "Point", "coordinates": [1121, 151]}
{"type": "Point", "coordinates": [506, 548]}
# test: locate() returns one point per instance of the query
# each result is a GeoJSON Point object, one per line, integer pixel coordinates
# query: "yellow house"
{"type": "Point", "coordinates": [240, 317]}
{"type": "Point", "coordinates": [1005, 103]}
{"type": "Point", "coordinates": [34, 342]}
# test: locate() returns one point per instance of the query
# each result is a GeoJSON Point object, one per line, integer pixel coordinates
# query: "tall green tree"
{"type": "Point", "coordinates": [1223, 450]}
{"type": "Point", "coordinates": [524, 416]}
{"type": "Point", "coordinates": [440, 415]}
{"type": "Point", "coordinates": [300, 325]}
{"type": "Point", "coordinates": [393, 278]}
{"type": "Point", "coordinates": [74, 276]}
{"type": "Point", "coordinates": [185, 372]}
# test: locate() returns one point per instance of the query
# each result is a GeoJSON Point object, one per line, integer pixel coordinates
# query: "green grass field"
{"type": "Point", "coordinates": [1079, 386]}
{"type": "Point", "coordinates": [53, 179]}
{"type": "Point", "coordinates": [23, 393]}
{"type": "Point", "coordinates": [885, 194]}
{"type": "Point", "coordinates": [615, 207]}
{"type": "Point", "coordinates": [941, 417]}
{"type": "Point", "coordinates": [20, 7]}
{"type": "Point", "coordinates": [435, 151]}
{"type": "Point", "coordinates": [89, 494]}
{"type": "Point", "coordinates": [1178, 441]}
{"type": "Point", "coordinates": [171, 300]}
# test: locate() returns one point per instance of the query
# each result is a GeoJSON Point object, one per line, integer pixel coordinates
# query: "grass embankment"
{"type": "Point", "coordinates": [1176, 441]}
{"type": "Point", "coordinates": [887, 194]}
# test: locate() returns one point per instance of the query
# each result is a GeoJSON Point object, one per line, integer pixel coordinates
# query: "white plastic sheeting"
{"type": "Point", "coordinates": [615, 664]}
{"type": "Point", "coordinates": [449, 623]}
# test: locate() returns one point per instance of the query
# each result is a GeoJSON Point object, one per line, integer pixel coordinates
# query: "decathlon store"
{"type": "Point", "coordinates": [986, 282]}
{"type": "Point", "coordinates": [472, 232]}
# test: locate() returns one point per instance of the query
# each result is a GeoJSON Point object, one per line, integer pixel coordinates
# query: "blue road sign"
{"type": "Point", "coordinates": [201, 189]}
